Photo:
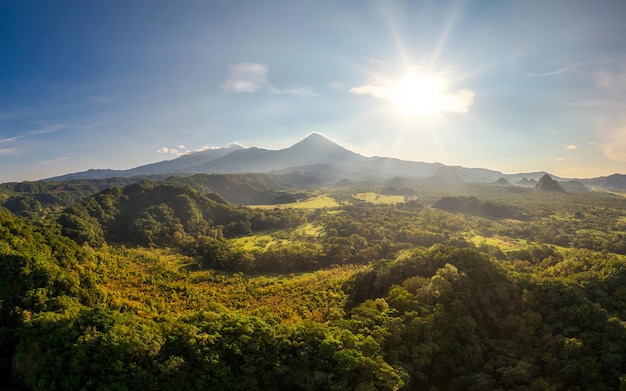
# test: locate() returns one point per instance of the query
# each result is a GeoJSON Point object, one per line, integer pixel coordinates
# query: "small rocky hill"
{"type": "Point", "coordinates": [501, 182]}
{"type": "Point", "coordinates": [546, 183]}
{"type": "Point", "coordinates": [446, 174]}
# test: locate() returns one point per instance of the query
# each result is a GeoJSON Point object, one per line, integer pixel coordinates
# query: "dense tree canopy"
{"type": "Point", "coordinates": [160, 286]}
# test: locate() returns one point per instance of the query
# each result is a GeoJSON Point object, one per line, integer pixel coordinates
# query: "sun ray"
{"type": "Point", "coordinates": [453, 16]}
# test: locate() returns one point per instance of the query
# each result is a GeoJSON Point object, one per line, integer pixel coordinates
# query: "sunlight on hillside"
{"type": "Point", "coordinates": [378, 199]}
{"type": "Point", "coordinates": [158, 282]}
{"type": "Point", "coordinates": [312, 203]}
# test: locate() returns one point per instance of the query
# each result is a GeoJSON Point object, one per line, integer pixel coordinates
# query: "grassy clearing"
{"type": "Point", "coordinates": [375, 198]}
{"type": "Point", "coordinates": [312, 203]}
{"type": "Point", "coordinates": [503, 242]}
{"type": "Point", "coordinates": [157, 283]}
{"type": "Point", "coordinates": [263, 241]}
{"type": "Point", "coordinates": [257, 242]}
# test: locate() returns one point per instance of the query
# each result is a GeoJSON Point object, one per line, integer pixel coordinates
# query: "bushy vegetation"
{"type": "Point", "coordinates": [161, 286]}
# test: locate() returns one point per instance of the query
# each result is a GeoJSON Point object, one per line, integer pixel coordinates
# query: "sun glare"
{"type": "Point", "coordinates": [418, 95]}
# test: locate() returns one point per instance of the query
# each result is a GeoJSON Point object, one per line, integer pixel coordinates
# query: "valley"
{"type": "Point", "coordinates": [165, 284]}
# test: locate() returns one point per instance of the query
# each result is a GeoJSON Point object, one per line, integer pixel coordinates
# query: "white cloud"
{"type": "Point", "coordinates": [571, 147]}
{"type": "Point", "coordinates": [171, 151]}
{"type": "Point", "coordinates": [205, 148]}
{"type": "Point", "coordinates": [181, 146]}
{"type": "Point", "coordinates": [246, 77]}
{"type": "Point", "coordinates": [236, 144]}
{"type": "Point", "coordinates": [377, 91]}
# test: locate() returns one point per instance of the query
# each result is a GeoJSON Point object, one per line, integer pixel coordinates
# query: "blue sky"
{"type": "Point", "coordinates": [514, 86]}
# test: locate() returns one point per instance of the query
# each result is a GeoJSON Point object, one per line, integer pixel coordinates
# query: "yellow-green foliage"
{"type": "Point", "coordinates": [312, 203]}
{"type": "Point", "coordinates": [155, 283]}
{"type": "Point", "coordinates": [374, 198]}
{"type": "Point", "coordinates": [503, 242]}
{"type": "Point", "coordinates": [257, 242]}
{"type": "Point", "coordinates": [276, 238]}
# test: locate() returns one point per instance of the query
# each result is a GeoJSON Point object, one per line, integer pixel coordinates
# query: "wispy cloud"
{"type": "Point", "coordinates": [375, 61]}
{"type": "Point", "coordinates": [384, 92]}
{"type": "Point", "coordinates": [298, 91]}
{"type": "Point", "coordinates": [7, 151]}
{"type": "Point", "coordinates": [336, 85]}
{"type": "Point", "coordinates": [571, 147]}
{"type": "Point", "coordinates": [250, 77]}
{"type": "Point", "coordinates": [47, 129]}
{"type": "Point", "coordinates": [7, 140]}
{"type": "Point", "coordinates": [551, 73]}
{"type": "Point", "coordinates": [53, 161]}
{"type": "Point", "coordinates": [27, 134]}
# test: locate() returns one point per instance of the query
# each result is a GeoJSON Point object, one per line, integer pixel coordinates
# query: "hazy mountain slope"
{"type": "Point", "coordinates": [184, 163]}
{"type": "Point", "coordinates": [615, 182]}
{"type": "Point", "coordinates": [179, 165]}
{"type": "Point", "coordinates": [393, 166]}
{"type": "Point", "coordinates": [315, 149]}
{"type": "Point", "coordinates": [318, 157]}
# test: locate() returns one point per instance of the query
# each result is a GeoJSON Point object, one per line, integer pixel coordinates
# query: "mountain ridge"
{"type": "Point", "coordinates": [317, 155]}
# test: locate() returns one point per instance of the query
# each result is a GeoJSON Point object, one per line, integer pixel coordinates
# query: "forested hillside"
{"type": "Point", "coordinates": [39, 199]}
{"type": "Point", "coordinates": [158, 286]}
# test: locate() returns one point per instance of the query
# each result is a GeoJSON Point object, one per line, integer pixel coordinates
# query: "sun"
{"type": "Point", "coordinates": [416, 95]}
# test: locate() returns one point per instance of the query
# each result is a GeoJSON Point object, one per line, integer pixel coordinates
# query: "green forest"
{"type": "Point", "coordinates": [254, 283]}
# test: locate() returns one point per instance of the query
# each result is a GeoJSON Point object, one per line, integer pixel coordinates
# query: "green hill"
{"type": "Point", "coordinates": [158, 286]}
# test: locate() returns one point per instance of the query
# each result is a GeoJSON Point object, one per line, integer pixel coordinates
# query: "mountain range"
{"type": "Point", "coordinates": [328, 162]}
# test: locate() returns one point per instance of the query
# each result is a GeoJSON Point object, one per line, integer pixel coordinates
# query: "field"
{"type": "Point", "coordinates": [377, 199]}
{"type": "Point", "coordinates": [312, 203]}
